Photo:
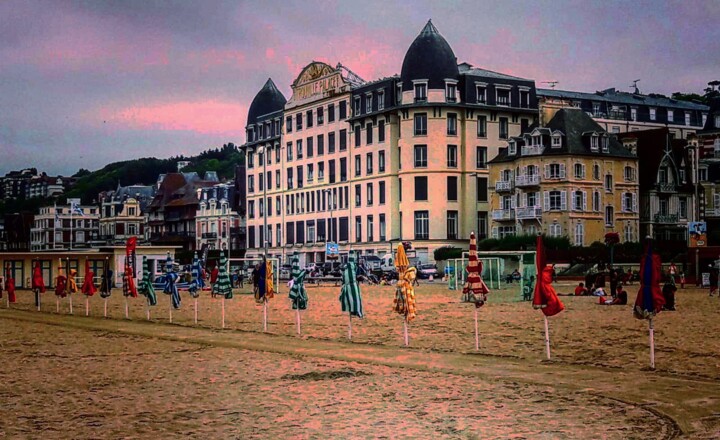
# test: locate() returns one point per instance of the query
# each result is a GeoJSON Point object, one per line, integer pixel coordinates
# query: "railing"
{"type": "Point", "coordinates": [665, 218]}
{"type": "Point", "coordinates": [666, 187]}
{"type": "Point", "coordinates": [622, 115]}
{"type": "Point", "coordinates": [528, 212]}
{"type": "Point", "coordinates": [712, 212]}
{"type": "Point", "coordinates": [209, 235]}
{"type": "Point", "coordinates": [532, 150]}
{"type": "Point", "coordinates": [503, 185]}
{"type": "Point", "coordinates": [527, 180]}
{"type": "Point", "coordinates": [503, 214]}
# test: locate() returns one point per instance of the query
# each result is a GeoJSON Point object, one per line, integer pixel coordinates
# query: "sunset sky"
{"type": "Point", "coordinates": [86, 83]}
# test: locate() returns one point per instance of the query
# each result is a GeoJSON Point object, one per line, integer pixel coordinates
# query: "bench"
{"type": "Point", "coordinates": [318, 280]}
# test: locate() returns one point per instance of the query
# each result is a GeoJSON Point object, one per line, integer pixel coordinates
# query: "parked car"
{"type": "Point", "coordinates": [285, 271]}
{"type": "Point", "coordinates": [425, 270]}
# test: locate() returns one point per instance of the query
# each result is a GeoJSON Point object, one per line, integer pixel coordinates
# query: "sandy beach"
{"type": "Point", "coordinates": [89, 377]}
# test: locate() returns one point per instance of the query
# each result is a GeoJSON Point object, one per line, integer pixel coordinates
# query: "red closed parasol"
{"type": "Point", "coordinates": [545, 297]}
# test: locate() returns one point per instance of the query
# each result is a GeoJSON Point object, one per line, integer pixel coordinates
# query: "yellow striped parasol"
{"type": "Point", "coordinates": [401, 260]}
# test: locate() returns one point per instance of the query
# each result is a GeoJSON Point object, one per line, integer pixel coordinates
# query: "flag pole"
{"type": "Point", "coordinates": [477, 337]}
{"type": "Point", "coordinates": [652, 343]}
{"type": "Point", "coordinates": [547, 337]}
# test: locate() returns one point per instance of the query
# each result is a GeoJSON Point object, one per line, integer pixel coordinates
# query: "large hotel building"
{"type": "Point", "coordinates": [368, 164]}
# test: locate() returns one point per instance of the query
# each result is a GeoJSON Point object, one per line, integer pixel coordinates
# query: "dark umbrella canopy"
{"type": "Point", "coordinates": [146, 288]}
{"type": "Point", "coordinates": [650, 299]}
{"type": "Point", "coordinates": [298, 294]}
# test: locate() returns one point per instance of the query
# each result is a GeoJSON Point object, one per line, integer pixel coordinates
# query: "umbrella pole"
{"type": "Point", "coordinates": [37, 299]}
{"type": "Point", "coordinates": [87, 306]}
{"type": "Point", "coordinates": [297, 316]}
{"type": "Point", "coordinates": [547, 337]}
{"type": "Point", "coordinates": [70, 298]}
{"type": "Point", "coordinates": [148, 312]}
{"type": "Point", "coordinates": [477, 336]}
{"type": "Point", "coordinates": [170, 309]}
{"type": "Point", "coordinates": [405, 330]}
{"type": "Point", "coordinates": [195, 310]}
{"type": "Point", "coordinates": [265, 314]}
{"type": "Point", "coordinates": [350, 326]}
{"type": "Point", "coordinates": [127, 309]}
{"type": "Point", "coordinates": [652, 343]}
{"type": "Point", "coordinates": [223, 311]}
{"type": "Point", "coordinates": [57, 304]}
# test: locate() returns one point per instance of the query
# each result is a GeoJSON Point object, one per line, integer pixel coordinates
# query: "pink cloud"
{"type": "Point", "coordinates": [270, 53]}
{"type": "Point", "coordinates": [206, 117]}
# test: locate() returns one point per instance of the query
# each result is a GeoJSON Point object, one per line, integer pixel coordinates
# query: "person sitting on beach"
{"type": "Point", "coordinates": [620, 298]}
{"type": "Point", "coordinates": [668, 291]}
{"type": "Point", "coordinates": [599, 291]}
{"type": "Point", "coordinates": [581, 290]}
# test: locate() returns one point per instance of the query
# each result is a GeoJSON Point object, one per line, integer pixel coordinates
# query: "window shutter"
{"type": "Point", "coordinates": [583, 172]}
{"type": "Point", "coordinates": [513, 202]}
{"type": "Point", "coordinates": [494, 232]}
{"type": "Point", "coordinates": [562, 170]}
{"type": "Point", "coordinates": [546, 200]}
{"type": "Point", "coordinates": [584, 206]}
{"type": "Point", "coordinates": [634, 202]}
{"type": "Point", "coordinates": [563, 200]}
{"type": "Point", "coordinates": [547, 171]}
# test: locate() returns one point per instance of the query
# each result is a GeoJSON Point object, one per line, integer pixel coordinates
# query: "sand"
{"type": "Point", "coordinates": [88, 377]}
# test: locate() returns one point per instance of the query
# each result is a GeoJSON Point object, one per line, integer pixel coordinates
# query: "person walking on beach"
{"type": "Point", "coordinates": [672, 271]}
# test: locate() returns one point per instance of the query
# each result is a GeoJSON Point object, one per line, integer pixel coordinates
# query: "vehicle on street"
{"type": "Point", "coordinates": [424, 271]}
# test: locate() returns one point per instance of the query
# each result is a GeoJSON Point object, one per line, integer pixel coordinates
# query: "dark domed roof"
{"type": "Point", "coordinates": [429, 57]}
{"type": "Point", "coordinates": [268, 100]}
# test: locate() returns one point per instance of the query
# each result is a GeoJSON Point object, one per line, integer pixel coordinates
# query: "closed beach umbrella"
{"type": "Point", "coordinates": [265, 288]}
{"type": "Point", "coordinates": [145, 287]}
{"type": "Point", "coordinates": [106, 282]}
{"type": "Point", "coordinates": [404, 303]}
{"type": "Point", "coordinates": [170, 279]}
{"type": "Point", "coordinates": [61, 284]}
{"type": "Point", "coordinates": [298, 294]}
{"type": "Point", "coordinates": [223, 285]}
{"type": "Point", "coordinates": [10, 285]}
{"type": "Point", "coordinates": [71, 283]}
{"type": "Point", "coordinates": [88, 286]}
{"type": "Point", "coordinates": [269, 285]}
{"type": "Point", "coordinates": [545, 297]}
{"type": "Point", "coordinates": [650, 299]}
{"type": "Point", "coordinates": [197, 282]}
{"type": "Point", "coordinates": [38, 283]}
{"type": "Point", "coordinates": [350, 298]}
{"type": "Point", "coordinates": [475, 291]}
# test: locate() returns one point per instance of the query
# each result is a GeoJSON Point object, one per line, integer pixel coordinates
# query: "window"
{"type": "Point", "coordinates": [452, 124]}
{"type": "Point", "coordinates": [609, 216]}
{"type": "Point", "coordinates": [482, 126]}
{"type": "Point", "coordinates": [605, 144]}
{"type": "Point", "coordinates": [381, 192]}
{"type": "Point", "coordinates": [524, 99]}
{"type": "Point", "coordinates": [331, 143]}
{"type": "Point", "coordinates": [450, 92]}
{"type": "Point", "coordinates": [596, 172]}
{"type": "Point", "coordinates": [556, 141]}
{"type": "Point", "coordinates": [596, 201]}
{"type": "Point", "coordinates": [381, 100]}
{"type": "Point", "coordinates": [251, 209]}
{"type": "Point", "coordinates": [381, 131]}
{"type": "Point", "coordinates": [298, 121]}
{"type": "Point", "coordinates": [300, 176]}
{"type": "Point", "coordinates": [452, 225]}
{"type": "Point", "coordinates": [368, 103]}
{"type": "Point", "coordinates": [420, 92]}
{"type": "Point", "coordinates": [370, 227]}
{"type": "Point", "coordinates": [309, 117]}
{"type": "Point", "coordinates": [555, 200]}
{"type": "Point", "coordinates": [398, 94]}
{"type": "Point", "coordinates": [289, 150]}
{"type": "Point", "coordinates": [717, 121]}
{"type": "Point", "coordinates": [356, 135]}
{"type": "Point", "coordinates": [579, 200]}
{"type": "Point", "coordinates": [343, 140]}
{"type": "Point", "coordinates": [512, 148]}
{"type": "Point", "coordinates": [400, 189]}
{"type": "Point", "coordinates": [421, 188]}
{"type": "Point", "coordinates": [555, 171]}
{"type": "Point", "coordinates": [369, 163]}
{"type": "Point", "coordinates": [503, 128]}
{"type": "Point", "coordinates": [358, 229]}
{"type": "Point", "coordinates": [369, 194]}
{"type": "Point", "coordinates": [321, 171]}
{"type": "Point", "coordinates": [422, 225]}
{"type": "Point", "coordinates": [452, 190]}
{"type": "Point", "coordinates": [555, 230]}
{"type": "Point", "coordinates": [320, 116]}
{"type": "Point", "coordinates": [369, 133]}
{"type": "Point", "coordinates": [251, 184]}
{"type": "Point", "coordinates": [579, 171]}
{"type": "Point", "coordinates": [594, 143]}
{"type": "Point", "coordinates": [420, 124]}
{"type": "Point", "coordinates": [702, 175]}
{"type": "Point", "coordinates": [357, 165]}
{"type": "Point", "coordinates": [277, 205]}
{"type": "Point", "coordinates": [480, 157]}
{"type": "Point", "coordinates": [320, 145]}
{"type": "Point", "coordinates": [531, 199]}
{"type": "Point", "coordinates": [383, 235]}
{"type": "Point", "coordinates": [683, 207]}
{"type": "Point", "coordinates": [356, 106]}
{"type": "Point", "coordinates": [331, 171]}
{"type": "Point", "coordinates": [310, 172]}
{"type": "Point", "coordinates": [452, 156]}
{"type": "Point", "coordinates": [633, 114]}
{"type": "Point", "coordinates": [629, 174]}
{"type": "Point", "coordinates": [331, 113]}
{"type": "Point", "coordinates": [579, 234]}
{"type": "Point", "coordinates": [481, 189]}
{"type": "Point", "coordinates": [652, 113]}
{"type": "Point", "coordinates": [343, 169]}
{"type": "Point", "coordinates": [502, 96]}
{"type": "Point", "coordinates": [310, 147]}
{"type": "Point", "coordinates": [358, 196]}
{"type": "Point", "coordinates": [288, 124]}
{"type": "Point", "coordinates": [343, 110]}
{"type": "Point", "coordinates": [381, 161]}
{"type": "Point", "coordinates": [671, 116]}
{"type": "Point", "coordinates": [299, 148]}
{"type": "Point", "coordinates": [627, 202]}
{"type": "Point", "coordinates": [608, 183]}
{"type": "Point", "coordinates": [420, 156]}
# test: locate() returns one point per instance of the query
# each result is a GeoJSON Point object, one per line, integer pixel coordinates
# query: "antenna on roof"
{"type": "Point", "coordinates": [552, 83]}
{"type": "Point", "coordinates": [635, 87]}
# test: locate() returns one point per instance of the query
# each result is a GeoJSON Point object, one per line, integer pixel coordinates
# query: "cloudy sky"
{"type": "Point", "coordinates": [85, 83]}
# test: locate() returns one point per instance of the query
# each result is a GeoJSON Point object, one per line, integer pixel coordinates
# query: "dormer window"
{"type": "Point", "coordinates": [594, 143]}
{"type": "Point", "coordinates": [652, 113]}
{"type": "Point", "coordinates": [357, 105]}
{"type": "Point", "coordinates": [717, 121]}
{"type": "Point", "coordinates": [671, 115]}
{"type": "Point", "coordinates": [556, 141]}
{"type": "Point", "coordinates": [368, 103]}
{"type": "Point", "coordinates": [381, 100]}
{"type": "Point", "coordinates": [481, 91]}
{"type": "Point", "coordinates": [536, 140]}
{"type": "Point", "coordinates": [450, 91]}
{"type": "Point", "coordinates": [398, 94]}
{"type": "Point", "coordinates": [524, 97]}
{"type": "Point", "coordinates": [687, 118]}
{"type": "Point", "coordinates": [420, 91]}
{"type": "Point", "coordinates": [605, 143]}
{"type": "Point", "coordinates": [502, 96]}
{"type": "Point", "coordinates": [633, 113]}
{"type": "Point", "coordinates": [512, 148]}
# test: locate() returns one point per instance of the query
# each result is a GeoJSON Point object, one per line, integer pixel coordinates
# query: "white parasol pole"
{"type": "Point", "coordinates": [223, 312]}
{"type": "Point", "coordinates": [652, 343]}
{"type": "Point", "coordinates": [87, 306]}
{"type": "Point", "coordinates": [57, 304]}
{"type": "Point", "coordinates": [147, 309]}
{"type": "Point", "coordinates": [547, 337]}
{"type": "Point", "coordinates": [105, 312]}
{"type": "Point", "coordinates": [170, 309]}
{"type": "Point", "coordinates": [477, 336]}
{"type": "Point", "coordinates": [7, 300]}
{"type": "Point", "coordinates": [70, 298]}
{"type": "Point", "coordinates": [265, 303]}
{"type": "Point", "coordinates": [195, 310]}
{"type": "Point", "coordinates": [349, 326]}
{"type": "Point", "coordinates": [37, 294]}
{"type": "Point", "coordinates": [127, 309]}
{"type": "Point", "coordinates": [405, 330]}
{"type": "Point", "coordinates": [297, 319]}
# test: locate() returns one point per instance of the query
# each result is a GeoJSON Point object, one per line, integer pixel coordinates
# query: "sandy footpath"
{"type": "Point", "coordinates": [68, 382]}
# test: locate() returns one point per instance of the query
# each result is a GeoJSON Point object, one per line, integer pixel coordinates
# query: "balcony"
{"type": "Point", "coordinates": [527, 180]}
{"type": "Point", "coordinates": [617, 114]}
{"type": "Point", "coordinates": [529, 212]}
{"type": "Point", "coordinates": [712, 212]}
{"type": "Point", "coordinates": [666, 187]}
{"type": "Point", "coordinates": [503, 214]}
{"type": "Point", "coordinates": [209, 235]}
{"type": "Point", "coordinates": [532, 150]}
{"type": "Point", "coordinates": [503, 185]}
{"type": "Point", "coordinates": [665, 218]}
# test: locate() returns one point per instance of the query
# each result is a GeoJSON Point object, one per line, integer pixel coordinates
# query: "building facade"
{"type": "Point", "coordinates": [570, 178]}
{"type": "Point", "coordinates": [620, 112]}
{"type": "Point", "coordinates": [122, 213]}
{"type": "Point", "coordinates": [61, 228]}
{"type": "Point", "coordinates": [217, 224]}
